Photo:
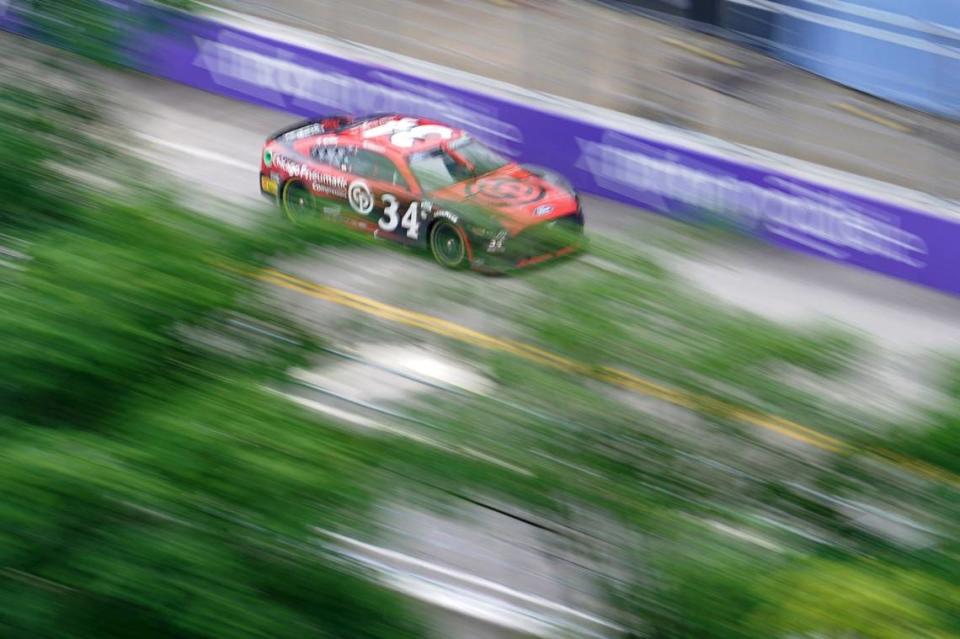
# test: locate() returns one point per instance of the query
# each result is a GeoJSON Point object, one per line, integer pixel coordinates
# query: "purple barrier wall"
{"type": "Point", "coordinates": [800, 214]}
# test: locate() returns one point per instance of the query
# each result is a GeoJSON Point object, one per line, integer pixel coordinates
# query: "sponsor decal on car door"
{"type": "Point", "coordinates": [379, 195]}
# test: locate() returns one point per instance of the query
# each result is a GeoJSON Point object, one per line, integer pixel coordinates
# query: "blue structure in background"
{"type": "Point", "coordinates": [906, 52]}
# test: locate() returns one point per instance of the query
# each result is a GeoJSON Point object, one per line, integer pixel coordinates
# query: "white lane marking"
{"type": "Point", "coordinates": [473, 452]}
{"type": "Point", "coordinates": [365, 422]}
{"type": "Point", "coordinates": [421, 362]}
{"type": "Point", "coordinates": [492, 612]}
{"type": "Point", "coordinates": [198, 152]}
{"type": "Point", "coordinates": [358, 420]}
{"type": "Point", "coordinates": [370, 551]}
{"type": "Point", "coordinates": [745, 535]}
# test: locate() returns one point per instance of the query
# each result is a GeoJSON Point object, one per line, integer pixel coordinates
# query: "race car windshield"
{"type": "Point", "coordinates": [483, 159]}
{"type": "Point", "coordinates": [437, 168]}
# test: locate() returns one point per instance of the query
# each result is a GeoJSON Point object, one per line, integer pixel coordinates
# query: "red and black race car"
{"type": "Point", "coordinates": [422, 183]}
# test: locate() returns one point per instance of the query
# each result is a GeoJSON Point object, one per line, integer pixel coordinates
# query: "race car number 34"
{"type": "Point", "coordinates": [391, 217]}
{"type": "Point", "coordinates": [362, 201]}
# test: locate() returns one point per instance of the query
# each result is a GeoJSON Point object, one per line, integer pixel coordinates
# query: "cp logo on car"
{"type": "Point", "coordinates": [360, 198]}
{"type": "Point", "coordinates": [506, 190]}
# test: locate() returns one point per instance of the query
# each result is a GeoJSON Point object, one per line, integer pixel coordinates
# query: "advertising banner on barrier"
{"type": "Point", "coordinates": [662, 175]}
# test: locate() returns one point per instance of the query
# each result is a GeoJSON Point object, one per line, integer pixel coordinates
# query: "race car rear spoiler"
{"type": "Point", "coordinates": [312, 126]}
{"type": "Point", "coordinates": [324, 124]}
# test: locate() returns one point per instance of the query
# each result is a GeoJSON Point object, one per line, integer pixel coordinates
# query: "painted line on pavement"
{"type": "Point", "coordinates": [860, 112]}
{"type": "Point", "coordinates": [198, 152]}
{"type": "Point", "coordinates": [364, 422]}
{"type": "Point", "coordinates": [364, 550]}
{"type": "Point", "coordinates": [700, 51]}
{"type": "Point", "coordinates": [613, 376]}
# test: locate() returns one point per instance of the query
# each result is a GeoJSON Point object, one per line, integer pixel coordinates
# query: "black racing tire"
{"type": "Point", "coordinates": [298, 204]}
{"type": "Point", "coordinates": [448, 244]}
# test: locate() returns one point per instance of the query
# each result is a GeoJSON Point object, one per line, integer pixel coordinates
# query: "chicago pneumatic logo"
{"type": "Point", "coordinates": [360, 198]}
{"type": "Point", "coordinates": [506, 191]}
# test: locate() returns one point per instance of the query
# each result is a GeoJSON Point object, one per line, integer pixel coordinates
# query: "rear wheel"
{"type": "Point", "coordinates": [298, 203]}
{"type": "Point", "coordinates": [448, 244]}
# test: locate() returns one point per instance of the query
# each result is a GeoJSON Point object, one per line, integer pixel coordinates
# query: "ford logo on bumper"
{"type": "Point", "coordinates": [542, 210]}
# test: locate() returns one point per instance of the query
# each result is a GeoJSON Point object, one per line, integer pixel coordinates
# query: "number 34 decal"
{"type": "Point", "coordinates": [361, 201]}
{"type": "Point", "coordinates": [391, 217]}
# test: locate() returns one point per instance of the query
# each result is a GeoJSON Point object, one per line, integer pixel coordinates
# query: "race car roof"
{"type": "Point", "coordinates": [401, 133]}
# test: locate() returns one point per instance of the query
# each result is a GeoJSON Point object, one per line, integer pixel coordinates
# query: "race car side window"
{"type": "Point", "coordinates": [334, 156]}
{"type": "Point", "coordinates": [377, 167]}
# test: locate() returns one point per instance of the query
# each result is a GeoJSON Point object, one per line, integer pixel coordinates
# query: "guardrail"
{"type": "Point", "coordinates": [683, 175]}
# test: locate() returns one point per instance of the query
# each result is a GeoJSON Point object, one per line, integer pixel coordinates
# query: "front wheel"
{"type": "Point", "coordinates": [448, 243]}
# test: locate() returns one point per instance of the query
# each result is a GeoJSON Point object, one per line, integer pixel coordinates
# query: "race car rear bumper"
{"type": "Point", "coordinates": [269, 187]}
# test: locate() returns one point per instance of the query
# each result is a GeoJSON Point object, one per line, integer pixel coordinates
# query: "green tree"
{"type": "Point", "coordinates": [151, 485]}
{"type": "Point", "coordinates": [699, 584]}
{"type": "Point", "coordinates": [935, 437]}
{"type": "Point", "coordinates": [836, 600]}
{"type": "Point", "coordinates": [41, 131]}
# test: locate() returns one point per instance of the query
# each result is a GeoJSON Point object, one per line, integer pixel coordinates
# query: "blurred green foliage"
{"type": "Point", "coordinates": [730, 528]}
{"type": "Point", "coordinates": [101, 306]}
{"type": "Point", "coordinates": [150, 484]}
{"type": "Point", "coordinates": [833, 599]}
{"type": "Point", "coordinates": [35, 194]}
{"type": "Point", "coordinates": [715, 588]}
{"type": "Point", "coordinates": [934, 437]}
{"type": "Point", "coordinates": [630, 313]}
{"type": "Point", "coordinates": [634, 315]}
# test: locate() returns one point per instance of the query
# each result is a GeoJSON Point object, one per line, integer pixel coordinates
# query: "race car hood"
{"type": "Point", "coordinates": [513, 195]}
